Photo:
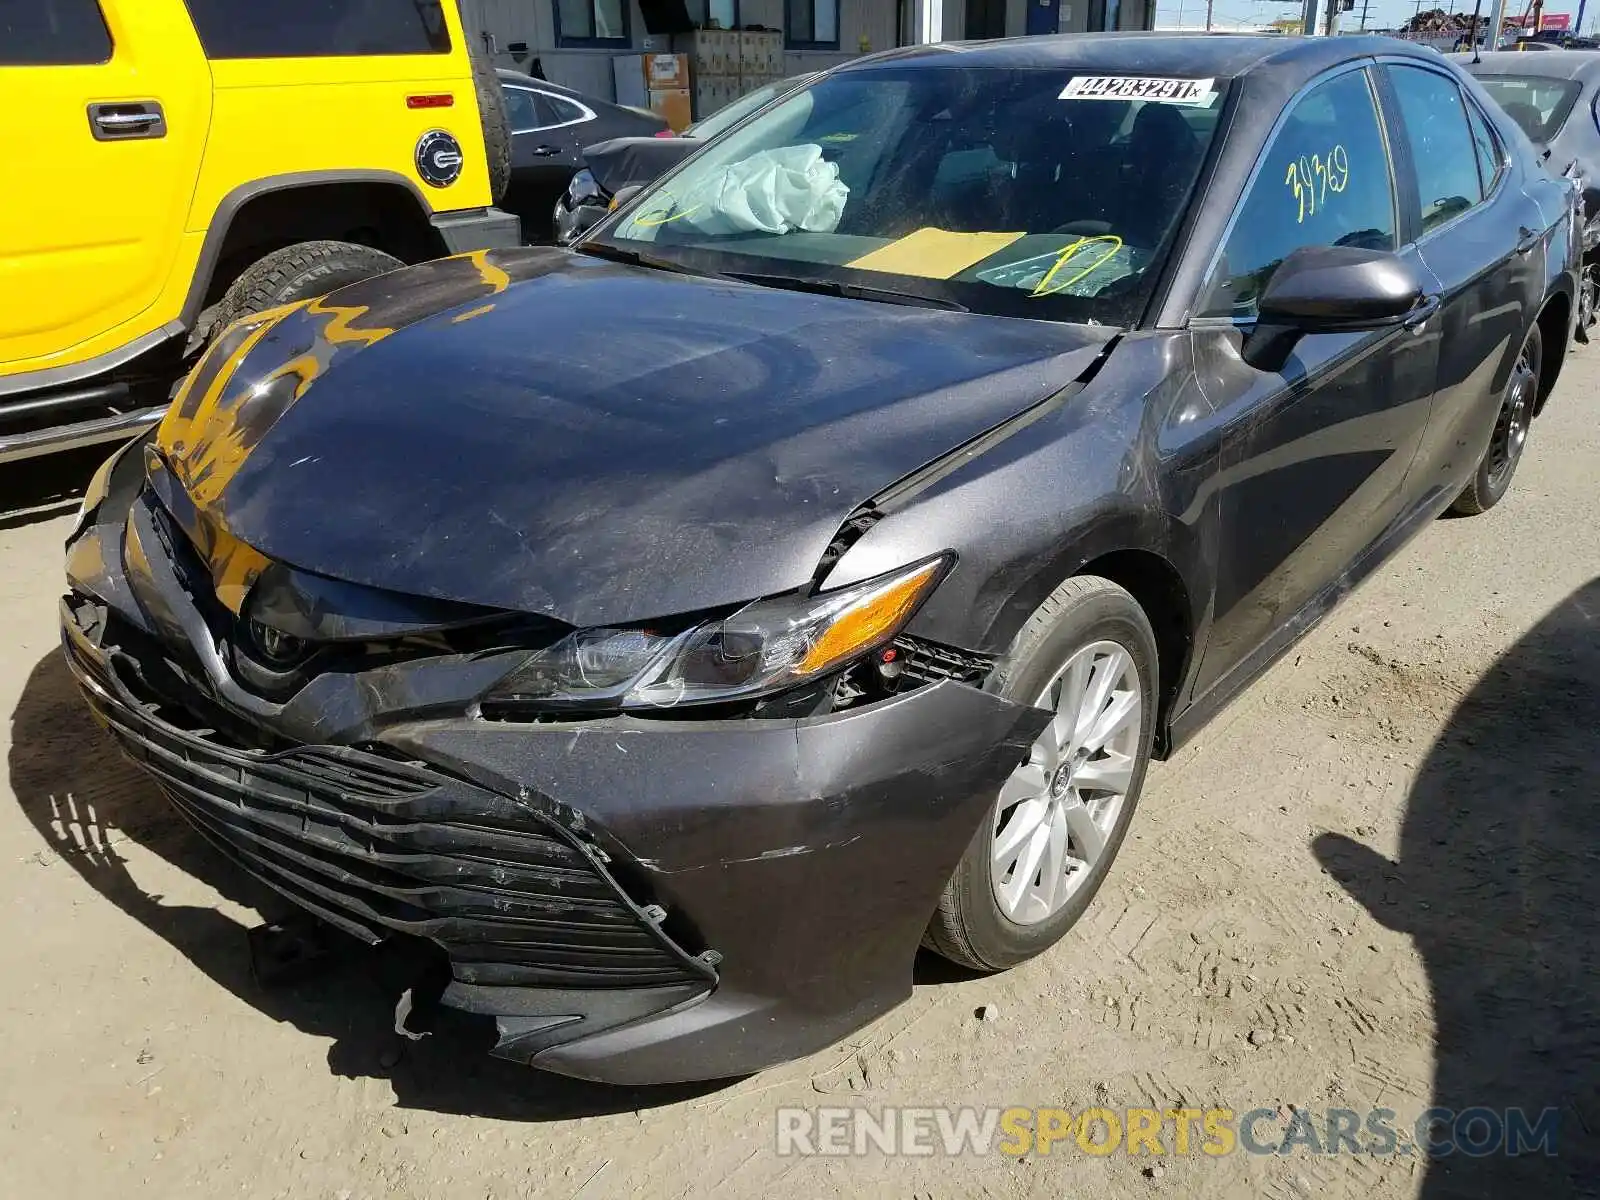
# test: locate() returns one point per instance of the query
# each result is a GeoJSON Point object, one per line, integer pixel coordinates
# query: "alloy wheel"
{"type": "Point", "coordinates": [1058, 810]}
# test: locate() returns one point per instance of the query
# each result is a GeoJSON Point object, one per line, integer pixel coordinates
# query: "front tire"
{"type": "Point", "coordinates": [1057, 823]}
{"type": "Point", "coordinates": [299, 272]}
{"type": "Point", "coordinates": [1492, 479]}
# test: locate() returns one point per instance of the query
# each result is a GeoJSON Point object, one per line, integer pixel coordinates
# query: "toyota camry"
{"type": "Point", "coordinates": [677, 631]}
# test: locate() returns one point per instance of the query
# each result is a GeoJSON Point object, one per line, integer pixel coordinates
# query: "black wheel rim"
{"type": "Point", "coordinates": [1511, 426]}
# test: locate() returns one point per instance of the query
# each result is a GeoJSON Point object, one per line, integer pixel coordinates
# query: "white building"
{"type": "Point", "coordinates": [575, 40]}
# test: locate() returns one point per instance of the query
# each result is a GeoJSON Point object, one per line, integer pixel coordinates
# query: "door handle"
{"type": "Point", "coordinates": [1422, 313]}
{"type": "Point", "coordinates": [124, 121]}
{"type": "Point", "coordinates": [1527, 239]}
{"type": "Point", "coordinates": [546, 151]}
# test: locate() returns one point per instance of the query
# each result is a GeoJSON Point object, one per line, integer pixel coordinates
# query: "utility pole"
{"type": "Point", "coordinates": [1209, 4]}
{"type": "Point", "coordinates": [1308, 17]}
{"type": "Point", "coordinates": [1497, 22]}
{"type": "Point", "coordinates": [1365, 4]}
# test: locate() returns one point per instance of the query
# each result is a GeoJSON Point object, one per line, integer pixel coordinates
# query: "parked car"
{"type": "Point", "coordinates": [188, 165]}
{"type": "Point", "coordinates": [630, 162]}
{"type": "Point", "coordinates": [550, 125]}
{"type": "Point", "coordinates": [1555, 100]}
{"type": "Point", "coordinates": [679, 631]}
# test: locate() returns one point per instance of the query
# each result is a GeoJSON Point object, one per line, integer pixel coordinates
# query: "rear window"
{"type": "Point", "coordinates": [52, 33]}
{"type": "Point", "coordinates": [1538, 104]}
{"type": "Point", "coordinates": [319, 28]}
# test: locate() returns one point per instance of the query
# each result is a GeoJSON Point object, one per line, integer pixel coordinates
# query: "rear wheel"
{"type": "Point", "coordinates": [1089, 656]}
{"type": "Point", "coordinates": [1492, 479]}
{"type": "Point", "coordinates": [299, 272]}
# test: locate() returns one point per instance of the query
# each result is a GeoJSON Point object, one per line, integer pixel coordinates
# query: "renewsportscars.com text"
{"type": "Point", "coordinates": [1215, 1132]}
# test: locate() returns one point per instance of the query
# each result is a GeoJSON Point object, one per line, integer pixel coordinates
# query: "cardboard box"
{"type": "Point", "coordinates": [675, 105]}
{"type": "Point", "coordinates": [666, 72]}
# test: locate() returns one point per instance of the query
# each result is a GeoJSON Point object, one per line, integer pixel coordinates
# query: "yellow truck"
{"type": "Point", "coordinates": [188, 162]}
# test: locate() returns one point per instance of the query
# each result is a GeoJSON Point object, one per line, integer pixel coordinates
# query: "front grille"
{"type": "Point", "coordinates": [373, 845]}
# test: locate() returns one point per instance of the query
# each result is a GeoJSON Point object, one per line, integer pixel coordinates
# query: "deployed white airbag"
{"type": "Point", "coordinates": [773, 191]}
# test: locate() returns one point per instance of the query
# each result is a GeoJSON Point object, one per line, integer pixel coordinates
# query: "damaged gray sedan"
{"type": "Point", "coordinates": [677, 632]}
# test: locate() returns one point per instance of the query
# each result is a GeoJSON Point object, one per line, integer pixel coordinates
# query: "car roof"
{"type": "Point", "coordinates": [544, 85]}
{"type": "Point", "coordinates": [1140, 53]}
{"type": "Point", "coordinates": [1553, 64]}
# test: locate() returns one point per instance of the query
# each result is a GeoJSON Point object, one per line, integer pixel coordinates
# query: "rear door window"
{"type": "Point", "coordinates": [1490, 160]}
{"type": "Point", "coordinates": [1435, 120]}
{"type": "Point", "coordinates": [52, 33]}
{"type": "Point", "coordinates": [319, 28]}
{"type": "Point", "coordinates": [564, 111]}
{"type": "Point", "coordinates": [522, 110]}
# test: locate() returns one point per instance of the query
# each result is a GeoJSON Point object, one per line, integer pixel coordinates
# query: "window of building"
{"type": "Point", "coordinates": [811, 24]}
{"type": "Point", "coordinates": [1435, 120]}
{"type": "Point", "coordinates": [1326, 180]}
{"type": "Point", "coordinates": [52, 33]}
{"type": "Point", "coordinates": [592, 23]}
{"type": "Point", "coordinates": [319, 28]}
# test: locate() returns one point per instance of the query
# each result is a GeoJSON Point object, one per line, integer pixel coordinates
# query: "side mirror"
{"type": "Point", "coordinates": [625, 194]}
{"type": "Point", "coordinates": [1328, 289]}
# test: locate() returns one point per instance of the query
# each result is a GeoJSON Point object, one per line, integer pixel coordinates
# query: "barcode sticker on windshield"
{"type": "Point", "coordinates": [1197, 92]}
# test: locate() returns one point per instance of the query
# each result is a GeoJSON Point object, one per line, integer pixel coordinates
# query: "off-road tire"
{"type": "Point", "coordinates": [968, 927]}
{"type": "Point", "coordinates": [299, 272]}
{"type": "Point", "coordinates": [496, 127]}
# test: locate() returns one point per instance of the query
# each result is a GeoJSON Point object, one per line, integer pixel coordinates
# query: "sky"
{"type": "Point", "coordinates": [1381, 14]}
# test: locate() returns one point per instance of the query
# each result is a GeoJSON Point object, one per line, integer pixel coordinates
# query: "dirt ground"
{"type": "Point", "coordinates": [1372, 882]}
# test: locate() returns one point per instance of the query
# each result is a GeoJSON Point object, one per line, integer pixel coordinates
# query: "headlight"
{"type": "Point", "coordinates": [584, 189]}
{"type": "Point", "coordinates": [765, 647]}
{"type": "Point", "coordinates": [99, 486]}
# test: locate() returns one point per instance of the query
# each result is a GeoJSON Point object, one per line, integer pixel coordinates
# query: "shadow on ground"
{"type": "Point", "coordinates": [1498, 880]}
{"type": "Point", "coordinates": [85, 800]}
{"type": "Point", "coordinates": [37, 489]}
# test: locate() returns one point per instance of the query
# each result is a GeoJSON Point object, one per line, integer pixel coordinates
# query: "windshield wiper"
{"type": "Point", "coordinates": [852, 291]}
{"type": "Point", "coordinates": [793, 283]}
{"type": "Point", "coordinates": [636, 258]}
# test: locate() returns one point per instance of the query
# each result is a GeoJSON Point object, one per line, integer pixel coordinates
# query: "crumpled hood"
{"type": "Point", "coordinates": [554, 433]}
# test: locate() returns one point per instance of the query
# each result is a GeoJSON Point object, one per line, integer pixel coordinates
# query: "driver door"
{"type": "Point", "coordinates": [1314, 458]}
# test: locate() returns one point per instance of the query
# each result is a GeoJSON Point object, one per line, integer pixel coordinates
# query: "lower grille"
{"type": "Point", "coordinates": [372, 846]}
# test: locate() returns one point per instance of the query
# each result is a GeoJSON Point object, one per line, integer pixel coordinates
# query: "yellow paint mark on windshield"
{"type": "Point", "coordinates": [663, 216]}
{"type": "Point", "coordinates": [931, 253]}
{"type": "Point", "coordinates": [1049, 285]}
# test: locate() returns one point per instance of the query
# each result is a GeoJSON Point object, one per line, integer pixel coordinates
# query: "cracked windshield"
{"type": "Point", "coordinates": [1028, 192]}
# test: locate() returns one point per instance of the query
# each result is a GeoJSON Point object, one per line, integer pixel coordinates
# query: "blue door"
{"type": "Point", "coordinates": [1043, 16]}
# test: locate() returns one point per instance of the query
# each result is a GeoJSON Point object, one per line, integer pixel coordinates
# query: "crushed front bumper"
{"type": "Point", "coordinates": [633, 900]}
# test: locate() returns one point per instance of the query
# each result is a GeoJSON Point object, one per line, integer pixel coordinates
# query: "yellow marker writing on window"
{"type": "Point", "coordinates": [1310, 179]}
{"type": "Point", "coordinates": [1067, 253]}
